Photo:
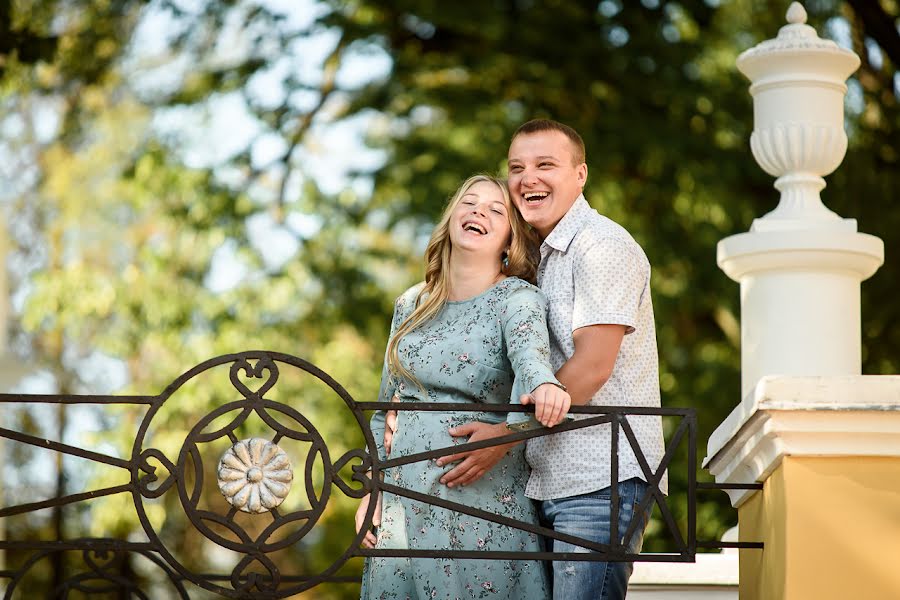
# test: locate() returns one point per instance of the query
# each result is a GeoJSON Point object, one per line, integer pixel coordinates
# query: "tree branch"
{"type": "Point", "coordinates": [880, 26]}
{"type": "Point", "coordinates": [330, 68]}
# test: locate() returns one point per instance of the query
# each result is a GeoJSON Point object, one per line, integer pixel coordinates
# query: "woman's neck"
{"type": "Point", "coordinates": [470, 276]}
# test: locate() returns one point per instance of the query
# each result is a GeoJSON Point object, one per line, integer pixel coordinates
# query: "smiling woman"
{"type": "Point", "coordinates": [482, 219]}
{"type": "Point", "coordinates": [471, 269]}
{"type": "Point", "coordinates": [474, 331]}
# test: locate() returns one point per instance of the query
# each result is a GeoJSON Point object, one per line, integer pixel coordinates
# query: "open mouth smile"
{"type": "Point", "coordinates": [473, 227]}
{"type": "Point", "coordinates": [534, 197]}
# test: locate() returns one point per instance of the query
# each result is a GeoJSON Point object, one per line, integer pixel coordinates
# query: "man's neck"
{"type": "Point", "coordinates": [543, 235]}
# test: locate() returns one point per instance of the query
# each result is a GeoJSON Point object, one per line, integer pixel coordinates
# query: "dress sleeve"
{"type": "Point", "coordinates": [527, 344]}
{"type": "Point", "coordinates": [388, 383]}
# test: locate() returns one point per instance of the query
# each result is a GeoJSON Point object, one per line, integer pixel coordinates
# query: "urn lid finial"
{"type": "Point", "coordinates": [797, 46]}
{"type": "Point", "coordinates": [796, 14]}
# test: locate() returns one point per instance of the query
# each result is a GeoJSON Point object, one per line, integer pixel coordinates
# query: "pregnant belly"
{"type": "Point", "coordinates": [419, 432]}
{"type": "Point", "coordinates": [500, 491]}
{"type": "Point", "coordinates": [423, 431]}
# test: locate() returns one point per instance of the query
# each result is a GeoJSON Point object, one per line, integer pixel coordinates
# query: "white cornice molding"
{"type": "Point", "coordinates": [709, 569]}
{"type": "Point", "coordinates": [804, 416]}
{"type": "Point", "coordinates": [832, 250]}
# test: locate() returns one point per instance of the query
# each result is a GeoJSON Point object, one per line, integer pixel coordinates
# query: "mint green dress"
{"type": "Point", "coordinates": [488, 349]}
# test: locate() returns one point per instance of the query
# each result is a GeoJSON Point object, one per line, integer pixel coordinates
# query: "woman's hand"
{"type": "Point", "coordinates": [370, 539]}
{"type": "Point", "coordinates": [390, 426]}
{"type": "Point", "coordinates": [551, 403]}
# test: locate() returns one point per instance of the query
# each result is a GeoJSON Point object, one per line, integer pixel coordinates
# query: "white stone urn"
{"type": "Point", "coordinates": [799, 266]}
{"type": "Point", "coordinates": [798, 135]}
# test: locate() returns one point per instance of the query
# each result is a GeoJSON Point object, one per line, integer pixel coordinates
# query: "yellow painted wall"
{"type": "Point", "coordinates": [761, 518]}
{"type": "Point", "coordinates": [831, 526]}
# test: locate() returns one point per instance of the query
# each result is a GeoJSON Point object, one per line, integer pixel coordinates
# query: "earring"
{"type": "Point", "coordinates": [505, 260]}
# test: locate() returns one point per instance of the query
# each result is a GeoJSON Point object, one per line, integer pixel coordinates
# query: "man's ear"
{"type": "Point", "coordinates": [581, 172]}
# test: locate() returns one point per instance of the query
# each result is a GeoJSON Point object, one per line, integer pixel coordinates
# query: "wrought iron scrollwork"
{"type": "Point", "coordinates": [257, 478]}
{"type": "Point", "coordinates": [102, 570]}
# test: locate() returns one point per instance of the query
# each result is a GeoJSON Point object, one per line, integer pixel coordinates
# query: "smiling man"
{"type": "Point", "coordinates": [603, 348]}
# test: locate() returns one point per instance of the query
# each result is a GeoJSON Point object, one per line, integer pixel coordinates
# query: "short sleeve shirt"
{"type": "Point", "coordinates": [594, 273]}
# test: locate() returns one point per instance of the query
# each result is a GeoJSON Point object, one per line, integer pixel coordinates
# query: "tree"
{"type": "Point", "coordinates": [653, 89]}
{"type": "Point", "coordinates": [120, 254]}
{"type": "Point", "coordinates": [137, 239]}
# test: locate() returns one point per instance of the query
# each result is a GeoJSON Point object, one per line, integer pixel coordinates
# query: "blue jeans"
{"type": "Point", "coordinates": [588, 516]}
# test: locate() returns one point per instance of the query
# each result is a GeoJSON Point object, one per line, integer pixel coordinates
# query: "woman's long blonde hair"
{"type": "Point", "coordinates": [520, 261]}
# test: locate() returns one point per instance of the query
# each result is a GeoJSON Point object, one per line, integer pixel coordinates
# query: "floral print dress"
{"type": "Point", "coordinates": [488, 349]}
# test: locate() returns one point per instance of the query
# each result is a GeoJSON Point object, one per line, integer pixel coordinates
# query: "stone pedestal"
{"type": "Point", "coordinates": [800, 307]}
{"type": "Point", "coordinates": [827, 450]}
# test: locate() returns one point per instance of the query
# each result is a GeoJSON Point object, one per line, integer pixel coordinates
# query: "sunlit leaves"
{"type": "Point", "coordinates": [146, 235]}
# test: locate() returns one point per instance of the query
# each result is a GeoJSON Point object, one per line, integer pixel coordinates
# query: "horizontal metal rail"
{"type": "Point", "coordinates": [256, 576]}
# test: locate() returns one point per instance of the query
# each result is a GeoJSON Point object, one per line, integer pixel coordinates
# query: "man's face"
{"type": "Point", "coordinates": [543, 181]}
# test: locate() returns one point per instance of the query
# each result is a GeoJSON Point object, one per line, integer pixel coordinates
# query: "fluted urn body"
{"type": "Point", "coordinates": [798, 88]}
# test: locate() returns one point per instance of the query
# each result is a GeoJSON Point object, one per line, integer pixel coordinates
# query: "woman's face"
{"type": "Point", "coordinates": [480, 221]}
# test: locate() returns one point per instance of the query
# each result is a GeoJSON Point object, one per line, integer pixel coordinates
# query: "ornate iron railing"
{"type": "Point", "coordinates": [255, 476]}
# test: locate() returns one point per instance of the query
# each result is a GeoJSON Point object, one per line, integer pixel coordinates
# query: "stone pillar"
{"type": "Point", "coordinates": [823, 439]}
{"type": "Point", "coordinates": [799, 266]}
{"type": "Point", "coordinates": [827, 450]}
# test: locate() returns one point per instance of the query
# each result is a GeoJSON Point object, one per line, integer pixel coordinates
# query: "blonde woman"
{"type": "Point", "coordinates": [474, 331]}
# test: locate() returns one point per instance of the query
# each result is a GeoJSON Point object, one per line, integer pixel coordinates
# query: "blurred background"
{"type": "Point", "coordinates": [181, 179]}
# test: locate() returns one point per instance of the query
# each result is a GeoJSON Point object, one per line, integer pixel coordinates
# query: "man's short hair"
{"type": "Point", "coordinates": [538, 125]}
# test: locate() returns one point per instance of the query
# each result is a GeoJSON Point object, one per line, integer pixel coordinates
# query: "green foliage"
{"type": "Point", "coordinates": [129, 246]}
{"type": "Point", "coordinates": [665, 115]}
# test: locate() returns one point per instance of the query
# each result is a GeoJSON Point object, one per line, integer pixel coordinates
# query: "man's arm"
{"type": "Point", "coordinates": [552, 401]}
{"type": "Point", "coordinates": [596, 349]}
{"type": "Point", "coordinates": [475, 463]}
{"type": "Point", "coordinates": [590, 367]}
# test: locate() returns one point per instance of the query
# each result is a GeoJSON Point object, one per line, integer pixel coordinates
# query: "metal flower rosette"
{"type": "Point", "coordinates": [255, 475]}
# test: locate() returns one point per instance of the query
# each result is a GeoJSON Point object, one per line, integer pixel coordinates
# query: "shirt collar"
{"type": "Point", "coordinates": [571, 223]}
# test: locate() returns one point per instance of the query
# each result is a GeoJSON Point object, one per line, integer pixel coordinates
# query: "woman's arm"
{"type": "Point", "coordinates": [383, 423]}
{"type": "Point", "coordinates": [528, 350]}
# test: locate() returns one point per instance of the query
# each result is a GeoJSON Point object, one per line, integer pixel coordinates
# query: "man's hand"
{"type": "Point", "coordinates": [369, 540]}
{"type": "Point", "coordinates": [475, 463]}
{"type": "Point", "coordinates": [551, 403]}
